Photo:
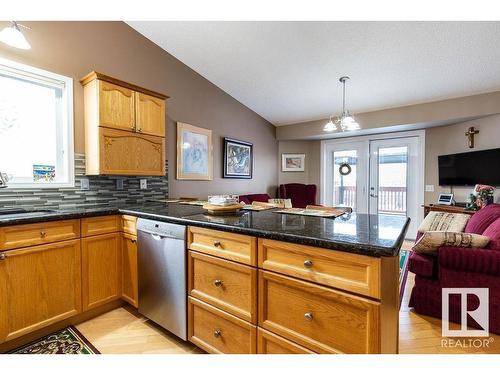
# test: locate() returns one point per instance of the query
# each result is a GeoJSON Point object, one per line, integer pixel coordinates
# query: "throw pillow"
{"type": "Point", "coordinates": [443, 221]}
{"type": "Point", "coordinates": [432, 240]}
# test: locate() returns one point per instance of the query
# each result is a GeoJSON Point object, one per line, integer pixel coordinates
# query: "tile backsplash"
{"type": "Point", "coordinates": [102, 190]}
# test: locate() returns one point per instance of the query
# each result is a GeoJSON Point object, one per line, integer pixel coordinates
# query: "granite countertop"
{"type": "Point", "coordinates": [372, 235]}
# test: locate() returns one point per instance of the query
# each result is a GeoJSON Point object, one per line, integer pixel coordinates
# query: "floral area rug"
{"type": "Point", "coordinates": [66, 341]}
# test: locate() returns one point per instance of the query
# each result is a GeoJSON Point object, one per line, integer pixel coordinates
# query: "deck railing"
{"type": "Point", "coordinates": [391, 199]}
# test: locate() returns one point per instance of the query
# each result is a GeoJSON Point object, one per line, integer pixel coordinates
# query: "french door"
{"type": "Point", "coordinates": [376, 175]}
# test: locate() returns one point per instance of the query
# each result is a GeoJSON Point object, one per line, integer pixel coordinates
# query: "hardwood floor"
{"type": "Point", "coordinates": [125, 331]}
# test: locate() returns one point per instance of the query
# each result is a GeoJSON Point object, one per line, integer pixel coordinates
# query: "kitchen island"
{"type": "Point", "coordinates": [257, 281]}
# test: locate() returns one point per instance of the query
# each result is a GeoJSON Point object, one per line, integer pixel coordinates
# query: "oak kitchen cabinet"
{"type": "Point", "coordinates": [52, 271]}
{"type": "Point", "coordinates": [124, 127]}
{"type": "Point", "coordinates": [39, 285]}
{"type": "Point", "coordinates": [309, 300]}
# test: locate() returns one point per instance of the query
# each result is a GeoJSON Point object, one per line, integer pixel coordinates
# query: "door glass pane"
{"type": "Point", "coordinates": [344, 185]}
{"type": "Point", "coordinates": [392, 180]}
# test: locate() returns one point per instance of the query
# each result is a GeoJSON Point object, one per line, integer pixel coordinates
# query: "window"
{"type": "Point", "coordinates": [36, 127]}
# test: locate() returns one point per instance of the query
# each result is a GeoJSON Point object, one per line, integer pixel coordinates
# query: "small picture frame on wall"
{"type": "Point", "coordinates": [238, 159]}
{"type": "Point", "coordinates": [293, 162]}
{"type": "Point", "coordinates": [194, 152]}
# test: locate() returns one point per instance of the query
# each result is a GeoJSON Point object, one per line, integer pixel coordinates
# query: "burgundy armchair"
{"type": "Point", "coordinates": [300, 194]}
{"type": "Point", "coordinates": [456, 267]}
{"type": "Point", "coordinates": [249, 198]}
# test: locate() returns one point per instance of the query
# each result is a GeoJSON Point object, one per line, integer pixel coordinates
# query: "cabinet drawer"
{"type": "Point", "coordinates": [129, 224]}
{"type": "Point", "coordinates": [39, 233]}
{"type": "Point", "coordinates": [215, 331]}
{"type": "Point", "coordinates": [352, 272]}
{"type": "Point", "coordinates": [229, 286]}
{"type": "Point", "coordinates": [319, 318]}
{"type": "Point", "coordinates": [236, 247]}
{"type": "Point", "coordinates": [93, 226]}
{"type": "Point", "coordinates": [269, 343]}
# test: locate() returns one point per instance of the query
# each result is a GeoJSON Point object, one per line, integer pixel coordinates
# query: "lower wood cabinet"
{"type": "Point", "coordinates": [269, 343]}
{"type": "Point", "coordinates": [129, 270]}
{"type": "Point", "coordinates": [39, 285]}
{"type": "Point", "coordinates": [101, 268]}
{"type": "Point", "coordinates": [227, 285]}
{"type": "Point", "coordinates": [216, 331]}
{"type": "Point", "coordinates": [320, 318]}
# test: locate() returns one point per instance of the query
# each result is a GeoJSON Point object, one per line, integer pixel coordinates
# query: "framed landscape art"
{"type": "Point", "coordinates": [194, 153]}
{"type": "Point", "coordinates": [238, 159]}
{"type": "Point", "coordinates": [293, 162]}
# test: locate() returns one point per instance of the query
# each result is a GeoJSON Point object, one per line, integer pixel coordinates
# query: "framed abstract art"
{"type": "Point", "coordinates": [238, 159]}
{"type": "Point", "coordinates": [194, 153]}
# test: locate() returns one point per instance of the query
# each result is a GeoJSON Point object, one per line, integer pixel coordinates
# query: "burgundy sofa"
{"type": "Point", "coordinates": [300, 194]}
{"type": "Point", "coordinates": [249, 198]}
{"type": "Point", "coordinates": [456, 267]}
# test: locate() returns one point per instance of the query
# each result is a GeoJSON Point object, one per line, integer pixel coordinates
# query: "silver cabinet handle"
{"type": "Point", "coordinates": [217, 333]}
{"type": "Point", "coordinates": [218, 283]}
{"type": "Point", "coordinates": [308, 316]}
{"type": "Point", "coordinates": [217, 243]}
{"type": "Point", "coordinates": [308, 263]}
{"type": "Point", "coordinates": [3, 256]}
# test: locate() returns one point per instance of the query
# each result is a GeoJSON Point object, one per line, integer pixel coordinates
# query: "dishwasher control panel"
{"type": "Point", "coordinates": [162, 229]}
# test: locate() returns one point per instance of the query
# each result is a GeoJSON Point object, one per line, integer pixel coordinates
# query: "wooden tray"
{"type": "Point", "coordinates": [213, 209]}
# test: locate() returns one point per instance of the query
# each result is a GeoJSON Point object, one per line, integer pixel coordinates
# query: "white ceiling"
{"type": "Point", "coordinates": [288, 72]}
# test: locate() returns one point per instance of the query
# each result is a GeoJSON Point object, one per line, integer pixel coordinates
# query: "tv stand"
{"type": "Point", "coordinates": [458, 208]}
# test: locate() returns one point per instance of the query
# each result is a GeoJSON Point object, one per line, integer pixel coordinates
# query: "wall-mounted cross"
{"type": "Point", "coordinates": [471, 132]}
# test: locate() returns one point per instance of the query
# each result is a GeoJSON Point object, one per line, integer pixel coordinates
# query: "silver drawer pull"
{"type": "Point", "coordinates": [217, 333]}
{"type": "Point", "coordinates": [217, 243]}
{"type": "Point", "coordinates": [218, 283]}
{"type": "Point", "coordinates": [3, 256]}
{"type": "Point", "coordinates": [308, 316]}
{"type": "Point", "coordinates": [308, 263]}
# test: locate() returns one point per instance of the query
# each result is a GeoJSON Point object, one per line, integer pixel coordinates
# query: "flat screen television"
{"type": "Point", "coordinates": [470, 168]}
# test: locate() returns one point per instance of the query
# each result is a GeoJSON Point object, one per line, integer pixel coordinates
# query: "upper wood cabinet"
{"type": "Point", "coordinates": [136, 115]}
{"type": "Point", "coordinates": [116, 106]}
{"type": "Point", "coordinates": [39, 286]}
{"type": "Point", "coordinates": [150, 114]}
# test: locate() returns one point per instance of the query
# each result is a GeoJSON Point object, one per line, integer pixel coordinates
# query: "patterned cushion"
{"type": "Point", "coordinates": [443, 221]}
{"type": "Point", "coordinates": [432, 240]}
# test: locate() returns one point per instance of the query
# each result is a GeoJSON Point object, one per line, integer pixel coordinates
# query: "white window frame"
{"type": "Point", "coordinates": [15, 69]}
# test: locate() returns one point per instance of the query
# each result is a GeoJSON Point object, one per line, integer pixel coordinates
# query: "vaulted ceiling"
{"type": "Point", "coordinates": [288, 72]}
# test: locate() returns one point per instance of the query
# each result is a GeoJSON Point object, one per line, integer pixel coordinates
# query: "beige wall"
{"type": "Point", "coordinates": [451, 139]}
{"type": "Point", "coordinates": [410, 117]}
{"type": "Point", "coordinates": [75, 48]}
{"type": "Point", "coordinates": [311, 175]}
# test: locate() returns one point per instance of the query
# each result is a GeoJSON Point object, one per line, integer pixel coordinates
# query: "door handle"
{"type": "Point", "coordinates": [373, 195]}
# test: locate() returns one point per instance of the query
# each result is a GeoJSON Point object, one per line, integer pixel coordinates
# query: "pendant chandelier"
{"type": "Point", "coordinates": [345, 121]}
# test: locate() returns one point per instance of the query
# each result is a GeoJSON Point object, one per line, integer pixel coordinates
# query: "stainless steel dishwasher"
{"type": "Point", "coordinates": [162, 274]}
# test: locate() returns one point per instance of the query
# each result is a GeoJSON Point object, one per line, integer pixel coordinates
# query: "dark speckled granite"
{"type": "Point", "coordinates": [373, 235]}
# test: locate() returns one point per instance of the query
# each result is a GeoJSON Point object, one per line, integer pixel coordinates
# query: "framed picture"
{"type": "Point", "coordinates": [194, 153]}
{"type": "Point", "coordinates": [293, 162]}
{"type": "Point", "coordinates": [238, 159]}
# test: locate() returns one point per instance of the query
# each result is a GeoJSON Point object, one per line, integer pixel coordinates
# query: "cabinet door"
{"type": "Point", "coordinates": [150, 114]}
{"type": "Point", "coordinates": [39, 286]}
{"type": "Point", "coordinates": [116, 106]}
{"type": "Point", "coordinates": [101, 267]}
{"type": "Point", "coordinates": [129, 270]}
{"type": "Point", "coordinates": [125, 153]}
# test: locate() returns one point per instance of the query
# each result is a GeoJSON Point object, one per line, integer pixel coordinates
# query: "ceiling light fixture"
{"type": "Point", "coordinates": [12, 36]}
{"type": "Point", "coordinates": [345, 121]}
